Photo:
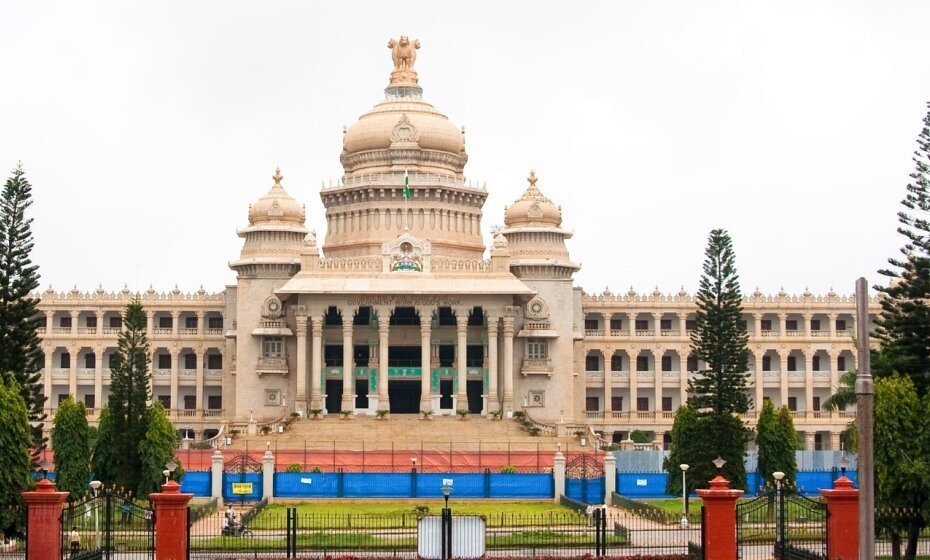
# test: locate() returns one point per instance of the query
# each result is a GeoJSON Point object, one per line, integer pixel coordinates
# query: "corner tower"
{"type": "Point", "coordinates": [403, 141]}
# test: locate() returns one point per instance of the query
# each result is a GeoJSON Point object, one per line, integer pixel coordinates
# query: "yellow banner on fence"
{"type": "Point", "coordinates": [242, 488]}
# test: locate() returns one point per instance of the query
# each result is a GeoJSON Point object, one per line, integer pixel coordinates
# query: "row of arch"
{"type": "Point", "coordinates": [671, 361]}
{"type": "Point", "coordinates": [162, 358]}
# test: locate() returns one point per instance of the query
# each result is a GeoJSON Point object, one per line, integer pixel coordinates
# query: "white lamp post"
{"type": "Point", "coordinates": [684, 496]}
{"type": "Point", "coordinates": [95, 486]}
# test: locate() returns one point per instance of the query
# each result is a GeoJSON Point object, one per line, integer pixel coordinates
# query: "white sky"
{"type": "Point", "coordinates": [147, 128]}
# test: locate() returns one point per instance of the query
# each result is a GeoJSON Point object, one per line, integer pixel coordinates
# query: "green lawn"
{"type": "Point", "coordinates": [673, 506]}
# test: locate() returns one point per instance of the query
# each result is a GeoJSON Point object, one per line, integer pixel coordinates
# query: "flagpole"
{"type": "Point", "coordinates": [406, 199]}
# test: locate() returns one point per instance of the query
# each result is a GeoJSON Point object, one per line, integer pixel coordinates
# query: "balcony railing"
{"type": "Point", "coordinates": [86, 372]}
{"type": "Point", "coordinates": [213, 332]}
{"type": "Point", "coordinates": [771, 373]}
{"type": "Point", "coordinates": [594, 374]}
{"type": "Point", "coordinates": [797, 373]}
{"type": "Point", "coordinates": [672, 374]}
{"type": "Point", "coordinates": [820, 334]}
{"type": "Point", "coordinates": [61, 330]}
{"type": "Point", "coordinates": [186, 371]}
{"type": "Point", "coordinates": [618, 332]}
{"type": "Point", "coordinates": [622, 374]}
{"type": "Point", "coordinates": [821, 373]}
{"type": "Point", "coordinates": [61, 371]}
{"type": "Point", "coordinates": [646, 373]}
{"type": "Point", "coordinates": [644, 332]}
{"type": "Point", "coordinates": [161, 371]}
{"type": "Point", "coordinates": [768, 334]}
{"type": "Point", "coordinates": [87, 330]}
{"type": "Point", "coordinates": [111, 330]}
{"type": "Point", "coordinates": [187, 331]}
{"type": "Point", "coordinates": [213, 372]}
{"type": "Point", "coordinates": [594, 332]}
{"type": "Point", "coordinates": [669, 332]}
{"type": "Point", "coordinates": [162, 330]}
{"type": "Point", "coordinates": [213, 413]}
{"type": "Point", "coordinates": [794, 333]}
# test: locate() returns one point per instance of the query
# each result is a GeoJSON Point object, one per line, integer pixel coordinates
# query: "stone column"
{"type": "Point", "coordinates": [832, 325]}
{"type": "Point", "coordinates": [494, 399]}
{"type": "Point", "coordinates": [682, 324]}
{"type": "Point", "coordinates": [461, 324]}
{"type": "Point", "coordinates": [301, 398]}
{"type": "Point", "coordinates": [657, 324]}
{"type": "Point", "coordinates": [634, 380]}
{"type": "Point", "coordinates": [348, 377]}
{"type": "Point", "coordinates": [426, 324]}
{"type": "Point", "coordinates": [683, 379]}
{"type": "Point", "coordinates": [47, 381]}
{"type": "Point", "coordinates": [72, 370]}
{"type": "Point", "coordinates": [842, 519]}
{"type": "Point", "coordinates": [175, 319]}
{"type": "Point", "coordinates": [198, 381]}
{"type": "Point", "coordinates": [783, 324]}
{"type": "Point", "coordinates": [659, 374]}
{"type": "Point", "coordinates": [558, 476]}
{"type": "Point", "coordinates": [720, 527]}
{"type": "Point", "coordinates": [268, 475]}
{"type": "Point", "coordinates": [149, 323]}
{"type": "Point", "coordinates": [99, 322]}
{"type": "Point", "coordinates": [173, 392]}
{"type": "Point", "coordinates": [74, 322]}
{"type": "Point", "coordinates": [835, 438]}
{"type": "Point", "coordinates": [508, 362]}
{"type": "Point", "coordinates": [98, 377]}
{"type": "Point", "coordinates": [384, 341]}
{"type": "Point", "coordinates": [170, 507]}
{"type": "Point", "coordinates": [757, 317]}
{"type": "Point", "coordinates": [49, 321]}
{"type": "Point", "coordinates": [216, 477]}
{"type": "Point", "coordinates": [760, 380]}
{"type": "Point", "coordinates": [610, 476]}
{"type": "Point", "coordinates": [316, 363]}
{"type": "Point", "coordinates": [608, 382]}
{"type": "Point", "coordinates": [807, 324]}
{"type": "Point", "coordinates": [834, 374]}
{"type": "Point", "coordinates": [809, 382]}
{"type": "Point", "coordinates": [200, 322]}
{"type": "Point", "coordinates": [783, 377]}
{"type": "Point", "coordinates": [43, 540]}
{"type": "Point", "coordinates": [631, 320]}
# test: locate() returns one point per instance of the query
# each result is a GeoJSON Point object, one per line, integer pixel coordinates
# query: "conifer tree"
{"type": "Point", "coordinates": [103, 460]}
{"type": "Point", "coordinates": [20, 353]}
{"type": "Point", "coordinates": [71, 442]}
{"type": "Point", "coordinates": [156, 449]}
{"type": "Point", "coordinates": [777, 441]}
{"type": "Point", "coordinates": [16, 471]}
{"type": "Point", "coordinates": [129, 396]}
{"type": "Point", "coordinates": [682, 449]}
{"type": "Point", "coordinates": [904, 324]}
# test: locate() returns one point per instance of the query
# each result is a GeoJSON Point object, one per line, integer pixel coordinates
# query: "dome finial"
{"type": "Point", "coordinates": [404, 55]}
{"type": "Point", "coordinates": [277, 176]}
{"type": "Point", "coordinates": [532, 178]}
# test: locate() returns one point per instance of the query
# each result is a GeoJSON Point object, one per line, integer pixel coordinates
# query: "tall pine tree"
{"type": "Point", "coordinates": [71, 442]}
{"type": "Point", "coordinates": [904, 324]}
{"type": "Point", "coordinates": [20, 353]}
{"type": "Point", "coordinates": [720, 340]}
{"type": "Point", "coordinates": [129, 396]}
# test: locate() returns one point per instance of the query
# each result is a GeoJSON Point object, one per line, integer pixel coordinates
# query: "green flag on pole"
{"type": "Point", "coordinates": [407, 192]}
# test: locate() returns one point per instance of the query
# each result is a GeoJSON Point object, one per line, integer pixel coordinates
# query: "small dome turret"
{"type": "Point", "coordinates": [276, 207]}
{"type": "Point", "coordinates": [533, 208]}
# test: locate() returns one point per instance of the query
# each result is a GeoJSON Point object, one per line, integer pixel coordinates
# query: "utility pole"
{"type": "Point", "coordinates": [865, 425]}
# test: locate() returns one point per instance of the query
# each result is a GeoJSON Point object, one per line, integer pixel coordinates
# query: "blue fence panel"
{"type": "Point", "coordinates": [527, 486]}
{"type": "Point", "coordinates": [587, 490]}
{"type": "Point", "coordinates": [464, 485]}
{"type": "Point", "coordinates": [376, 485]}
{"type": "Point", "coordinates": [306, 485]}
{"type": "Point", "coordinates": [196, 483]}
{"type": "Point", "coordinates": [232, 478]}
{"type": "Point", "coordinates": [642, 485]}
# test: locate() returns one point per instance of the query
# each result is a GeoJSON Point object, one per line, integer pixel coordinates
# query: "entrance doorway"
{"type": "Point", "coordinates": [361, 393]}
{"type": "Point", "coordinates": [475, 399]}
{"type": "Point", "coordinates": [333, 396]}
{"type": "Point", "coordinates": [445, 394]}
{"type": "Point", "coordinates": [405, 396]}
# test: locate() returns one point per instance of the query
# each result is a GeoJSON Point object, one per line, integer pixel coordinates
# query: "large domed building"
{"type": "Point", "coordinates": [403, 307]}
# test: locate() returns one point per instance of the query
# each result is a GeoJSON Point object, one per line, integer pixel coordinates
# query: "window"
{"type": "Point", "coordinates": [164, 322]}
{"type": "Point", "coordinates": [818, 441]}
{"type": "Point", "coordinates": [591, 404]}
{"type": "Point", "coordinates": [190, 322]}
{"type": "Point", "coordinates": [590, 324]}
{"type": "Point", "coordinates": [190, 401]}
{"type": "Point", "coordinates": [164, 361]}
{"type": "Point", "coordinates": [766, 363]}
{"type": "Point", "coordinates": [792, 403]}
{"type": "Point", "coordinates": [792, 363]}
{"type": "Point", "coordinates": [815, 363]}
{"type": "Point", "coordinates": [42, 322]}
{"type": "Point", "coordinates": [165, 400]}
{"type": "Point", "coordinates": [841, 324]}
{"type": "Point", "coordinates": [215, 323]}
{"type": "Point", "coordinates": [61, 399]}
{"type": "Point", "coordinates": [690, 324]}
{"type": "Point", "coordinates": [616, 362]}
{"type": "Point", "coordinates": [537, 349]}
{"type": "Point", "coordinates": [65, 361]}
{"type": "Point", "coordinates": [65, 322]}
{"type": "Point", "coordinates": [92, 322]}
{"type": "Point", "coordinates": [816, 403]}
{"type": "Point", "coordinates": [692, 364]}
{"type": "Point", "coordinates": [362, 317]}
{"type": "Point", "coordinates": [592, 363]}
{"type": "Point", "coordinates": [214, 361]}
{"type": "Point", "coordinates": [665, 324]}
{"type": "Point", "coordinates": [642, 363]}
{"type": "Point", "coordinates": [841, 363]}
{"type": "Point", "coordinates": [214, 402]}
{"type": "Point", "coordinates": [111, 360]}
{"type": "Point", "coordinates": [642, 324]}
{"type": "Point", "coordinates": [190, 361]}
{"type": "Point", "coordinates": [666, 404]}
{"type": "Point", "coordinates": [90, 360]}
{"type": "Point", "coordinates": [273, 347]}
{"type": "Point", "coordinates": [815, 324]}
{"type": "Point", "coordinates": [616, 403]}
{"type": "Point", "coordinates": [791, 325]}
{"type": "Point", "coordinates": [616, 324]}
{"type": "Point", "coordinates": [642, 404]}
{"type": "Point", "coordinates": [766, 324]}
{"type": "Point", "coordinates": [116, 322]}
{"type": "Point", "coordinates": [666, 363]}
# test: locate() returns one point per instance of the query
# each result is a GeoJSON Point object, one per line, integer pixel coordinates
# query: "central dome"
{"type": "Point", "coordinates": [403, 119]}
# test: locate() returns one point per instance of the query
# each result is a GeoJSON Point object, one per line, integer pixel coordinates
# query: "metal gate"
{"type": "Point", "coordinates": [107, 526]}
{"type": "Point", "coordinates": [242, 479]}
{"type": "Point", "coordinates": [584, 476]}
{"type": "Point", "coordinates": [782, 524]}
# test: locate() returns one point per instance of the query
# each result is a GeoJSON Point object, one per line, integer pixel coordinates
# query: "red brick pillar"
{"type": "Point", "coordinates": [170, 522]}
{"type": "Point", "coordinates": [720, 519]}
{"type": "Point", "coordinates": [842, 520]}
{"type": "Point", "coordinates": [43, 538]}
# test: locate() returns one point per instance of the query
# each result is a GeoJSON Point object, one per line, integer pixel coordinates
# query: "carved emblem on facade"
{"type": "Point", "coordinates": [404, 131]}
{"type": "Point", "coordinates": [275, 211]}
{"type": "Point", "coordinates": [404, 55]}
{"type": "Point", "coordinates": [534, 212]}
{"type": "Point", "coordinates": [272, 308]}
{"type": "Point", "coordinates": [537, 309]}
{"type": "Point", "coordinates": [406, 253]}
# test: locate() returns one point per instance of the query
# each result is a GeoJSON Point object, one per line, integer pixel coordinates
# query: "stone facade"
{"type": "Point", "coordinates": [400, 311]}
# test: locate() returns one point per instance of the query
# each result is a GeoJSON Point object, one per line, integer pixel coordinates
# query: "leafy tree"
{"type": "Point", "coordinates": [903, 327]}
{"type": "Point", "coordinates": [71, 442]}
{"type": "Point", "coordinates": [776, 440]}
{"type": "Point", "coordinates": [104, 452]}
{"type": "Point", "coordinates": [156, 449]}
{"type": "Point", "coordinates": [20, 353]}
{"type": "Point", "coordinates": [15, 440]}
{"type": "Point", "coordinates": [720, 340]}
{"type": "Point", "coordinates": [681, 450]}
{"type": "Point", "coordinates": [844, 395]}
{"type": "Point", "coordinates": [902, 471]}
{"type": "Point", "coordinates": [129, 395]}
{"type": "Point", "coordinates": [639, 436]}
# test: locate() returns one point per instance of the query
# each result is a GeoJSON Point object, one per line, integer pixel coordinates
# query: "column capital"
{"type": "Point", "coordinates": [316, 324]}
{"type": "Point", "coordinates": [100, 313]}
{"type": "Point", "coordinates": [175, 313]}
{"type": "Point", "coordinates": [508, 326]}
{"type": "Point", "coordinates": [301, 325]}
{"type": "Point", "coordinates": [200, 313]}
{"type": "Point", "coordinates": [74, 313]}
{"type": "Point", "coordinates": [493, 325]}
{"type": "Point", "coordinates": [383, 313]}
{"type": "Point", "coordinates": [347, 326]}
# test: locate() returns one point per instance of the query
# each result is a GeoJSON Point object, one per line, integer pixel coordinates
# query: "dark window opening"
{"type": "Point", "coordinates": [474, 355]}
{"type": "Point", "coordinates": [404, 356]}
{"type": "Point", "coordinates": [642, 363]}
{"type": "Point", "coordinates": [616, 362]}
{"type": "Point", "coordinates": [476, 319]}
{"type": "Point", "coordinates": [445, 317]}
{"type": "Point", "coordinates": [591, 404]}
{"type": "Point", "coordinates": [90, 360]}
{"type": "Point", "coordinates": [666, 363]}
{"type": "Point", "coordinates": [446, 355]}
{"type": "Point", "coordinates": [332, 317]}
{"type": "Point", "coordinates": [362, 318]}
{"type": "Point", "coordinates": [592, 362]}
{"type": "Point", "coordinates": [405, 316]}
{"type": "Point", "coordinates": [332, 355]}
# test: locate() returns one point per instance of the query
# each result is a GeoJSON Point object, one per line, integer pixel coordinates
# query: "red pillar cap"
{"type": "Point", "coordinates": [719, 483]}
{"type": "Point", "coordinates": [171, 487]}
{"type": "Point", "coordinates": [842, 482]}
{"type": "Point", "coordinates": [45, 485]}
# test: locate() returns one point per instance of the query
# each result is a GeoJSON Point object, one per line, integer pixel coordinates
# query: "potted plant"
{"type": "Point", "coordinates": [265, 430]}
{"type": "Point", "coordinates": [495, 415]}
{"type": "Point", "coordinates": [518, 414]}
{"type": "Point", "coordinates": [315, 413]}
{"type": "Point", "coordinates": [462, 412]}
{"type": "Point", "coordinates": [427, 414]}
{"type": "Point", "coordinates": [346, 414]}
{"type": "Point", "coordinates": [382, 414]}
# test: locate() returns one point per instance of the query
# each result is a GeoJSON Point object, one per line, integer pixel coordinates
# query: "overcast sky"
{"type": "Point", "coordinates": [147, 128]}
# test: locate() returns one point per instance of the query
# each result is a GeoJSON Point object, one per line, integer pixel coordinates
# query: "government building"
{"type": "Point", "coordinates": [403, 306]}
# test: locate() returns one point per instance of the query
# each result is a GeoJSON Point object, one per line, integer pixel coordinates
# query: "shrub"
{"type": "Point", "coordinates": [509, 470]}
{"type": "Point", "coordinates": [316, 470]}
{"type": "Point", "coordinates": [462, 412]}
{"type": "Point", "coordinates": [266, 430]}
{"type": "Point", "coordinates": [518, 414]}
{"type": "Point", "coordinates": [293, 468]}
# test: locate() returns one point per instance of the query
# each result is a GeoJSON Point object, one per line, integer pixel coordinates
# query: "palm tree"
{"type": "Point", "coordinates": [845, 394]}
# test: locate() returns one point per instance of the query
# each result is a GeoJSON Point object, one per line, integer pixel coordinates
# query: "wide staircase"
{"type": "Point", "coordinates": [403, 431]}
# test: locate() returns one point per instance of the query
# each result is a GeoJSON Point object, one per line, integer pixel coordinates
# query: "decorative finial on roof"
{"type": "Point", "coordinates": [404, 55]}
{"type": "Point", "coordinates": [532, 178]}
{"type": "Point", "coordinates": [277, 176]}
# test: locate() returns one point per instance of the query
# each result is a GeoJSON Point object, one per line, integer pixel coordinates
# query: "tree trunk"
{"type": "Point", "coordinates": [895, 539]}
{"type": "Point", "coordinates": [913, 532]}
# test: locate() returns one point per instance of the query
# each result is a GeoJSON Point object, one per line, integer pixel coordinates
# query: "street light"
{"type": "Point", "coordinates": [169, 468]}
{"type": "Point", "coordinates": [719, 462]}
{"type": "Point", "coordinates": [780, 509]}
{"type": "Point", "coordinates": [446, 490]}
{"type": "Point", "coordinates": [684, 496]}
{"type": "Point", "coordinates": [95, 486]}
{"type": "Point", "coordinates": [44, 466]}
{"type": "Point", "coordinates": [843, 464]}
